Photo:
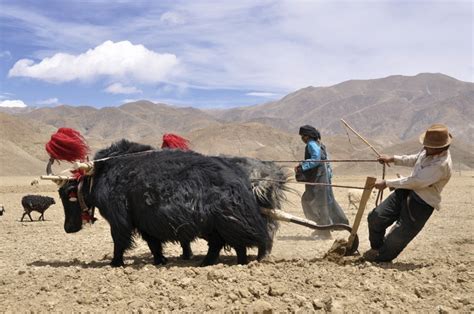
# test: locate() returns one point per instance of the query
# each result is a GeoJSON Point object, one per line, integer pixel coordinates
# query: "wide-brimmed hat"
{"type": "Point", "coordinates": [437, 136]}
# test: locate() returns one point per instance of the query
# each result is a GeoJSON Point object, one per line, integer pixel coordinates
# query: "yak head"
{"type": "Point", "coordinates": [68, 192]}
{"type": "Point", "coordinates": [72, 209]}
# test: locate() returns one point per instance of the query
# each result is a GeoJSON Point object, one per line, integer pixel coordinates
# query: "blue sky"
{"type": "Point", "coordinates": [219, 53]}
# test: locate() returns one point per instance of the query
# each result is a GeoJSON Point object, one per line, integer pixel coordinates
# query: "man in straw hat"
{"type": "Point", "coordinates": [414, 198]}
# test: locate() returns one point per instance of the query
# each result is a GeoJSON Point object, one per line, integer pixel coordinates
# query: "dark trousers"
{"type": "Point", "coordinates": [408, 211]}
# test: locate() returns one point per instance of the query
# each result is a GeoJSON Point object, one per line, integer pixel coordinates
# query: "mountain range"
{"type": "Point", "coordinates": [391, 112]}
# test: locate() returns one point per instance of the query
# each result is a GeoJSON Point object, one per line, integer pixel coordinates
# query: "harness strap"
{"type": "Point", "coordinates": [87, 212]}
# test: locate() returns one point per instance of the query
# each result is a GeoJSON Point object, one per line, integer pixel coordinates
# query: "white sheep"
{"type": "Point", "coordinates": [354, 196]}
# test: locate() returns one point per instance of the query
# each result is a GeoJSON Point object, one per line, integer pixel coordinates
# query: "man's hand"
{"type": "Point", "coordinates": [297, 168]}
{"type": "Point", "coordinates": [380, 184]}
{"type": "Point", "coordinates": [385, 159]}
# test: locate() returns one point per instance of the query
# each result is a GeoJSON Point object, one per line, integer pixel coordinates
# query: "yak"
{"type": "Point", "coordinates": [170, 195]}
{"type": "Point", "coordinates": [37, 203]}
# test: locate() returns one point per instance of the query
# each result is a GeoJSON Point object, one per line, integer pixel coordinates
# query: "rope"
{"type": "Point", "coordinates": [327, 160]}
{"type": "Point", "coordinates": [312, 183]}
{"type": "Point", "coordinates": [380, 194]}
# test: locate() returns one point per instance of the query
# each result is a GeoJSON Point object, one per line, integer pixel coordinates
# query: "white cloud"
{"type": "Point", "coordinates": [114, 60]}
{"type": "Point", "coordinates": [172, 18]}
{"type": "Point", "coordinates": [118, 88]}
{"type": "Point", "coordinates": [13, 103]}
{"type": "Point", "coordinates": [261, 94]}
{"type": "Point", "coordinates": [5, 54]}
{"type": "Point", "coordinates": [127, 100]}
{"type": "Point", "coordinates": [49, 101]}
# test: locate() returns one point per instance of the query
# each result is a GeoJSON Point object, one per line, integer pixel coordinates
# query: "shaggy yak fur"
{"type": "Point", "coordinates": [36, 203]}
{"type": "Point", "coordinates": [175, 196]}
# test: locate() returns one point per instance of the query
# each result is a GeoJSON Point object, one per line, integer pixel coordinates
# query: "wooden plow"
{"type": "Point", "coordinates": [352, 243]}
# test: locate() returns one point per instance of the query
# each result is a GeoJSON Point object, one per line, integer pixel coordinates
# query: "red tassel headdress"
{"type": "Point", "coordinates": [67, 144]}
{"type": "Point", "coordinates": [175, 141]}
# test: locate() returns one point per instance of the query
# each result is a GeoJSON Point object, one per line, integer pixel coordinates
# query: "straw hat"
{"type": "Point", "coordinates": [437, 136]}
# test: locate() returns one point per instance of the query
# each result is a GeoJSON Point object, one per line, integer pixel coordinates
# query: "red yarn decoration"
{"type": "Point", "coordinates": [67, 144]}
{"type": "Point", "coordinates": [174, 141]}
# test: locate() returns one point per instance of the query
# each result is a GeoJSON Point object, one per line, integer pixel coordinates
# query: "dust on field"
{"type": "Point", "coordinates": [44, 269]}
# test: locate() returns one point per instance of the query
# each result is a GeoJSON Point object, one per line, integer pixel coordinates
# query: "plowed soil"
{"type": "Point", "coordinates": [44, 269]}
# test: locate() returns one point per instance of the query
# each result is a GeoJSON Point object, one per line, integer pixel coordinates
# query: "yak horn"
{"type": "Point", "coordinates": [87, 166]}
{"type": "Point", "coordinates": [49, 171]}
{"type": "Point", "coordinates": [54, 178]}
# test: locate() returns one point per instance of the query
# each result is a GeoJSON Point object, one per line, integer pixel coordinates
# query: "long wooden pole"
{"type": "Point", "coordinates": [361, 137]}
{"type": "Point", "coordinates": [369, 185]}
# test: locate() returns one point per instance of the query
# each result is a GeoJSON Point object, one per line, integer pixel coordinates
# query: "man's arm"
{"type": "Point", "coordinates": [399, 160]}
{"type": "Point", "coordinates": [423, 178]}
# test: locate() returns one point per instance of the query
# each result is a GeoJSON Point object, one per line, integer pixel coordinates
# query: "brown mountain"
{"type": "Point", "coordinates": [391, 109]}
{"type": "Point", "coordinates": [390, 112]}
{"type": "Point", "coordinates": [135, 121]}
{"type": "Point", "coordinates": [22, 145]}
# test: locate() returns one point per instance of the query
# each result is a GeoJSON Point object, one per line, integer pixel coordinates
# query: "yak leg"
{"type": "Point", "coordinates": [41, 217]}
{"type": "Point", "coordinates": [26, 213]}
{"type": "Point", "coordinates": [187, 252]}
{"type": "Point", "coordinates": [215, 244]}
{"type": "Point", "coordinates": [156, 249]}
{"type": "Point", "coordinates": [241, 255]}
{"type": "Point", "coordinates": [263, 251]}
{"type": "Point", "coordinates": [122, 240]}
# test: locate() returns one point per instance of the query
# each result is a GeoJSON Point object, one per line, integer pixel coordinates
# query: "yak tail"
{"type": "Point", "coordinates": [269, 184]}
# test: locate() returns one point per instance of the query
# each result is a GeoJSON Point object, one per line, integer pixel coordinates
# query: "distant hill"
{"type": "Point", "coordinates": [391, 109]}
{"type": "Point", "coordinates": [390, 112]}
{"type": "Point", "coordinates": [22, 145]}
{"type": "Point", "coordinates": [135, 121]}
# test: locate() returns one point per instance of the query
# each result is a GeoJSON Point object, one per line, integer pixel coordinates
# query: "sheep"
{"type": "Point", "coordinates": [36, 203]}
{"type": "Point", "coordinates": [2, 209]}
{"type": "Point", "coordinates": [354, 196]}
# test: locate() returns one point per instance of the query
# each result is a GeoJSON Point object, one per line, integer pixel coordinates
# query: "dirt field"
{"type": "Point", "coordinates": [44, 269]}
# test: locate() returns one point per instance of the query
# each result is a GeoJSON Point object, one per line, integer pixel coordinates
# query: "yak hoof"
{"type": "Point", "coordinates": [160, 260]}
{"type": "Point", "coordinates": [117, 263]}
{"type": "Point", "coordinates": [186, 257]}
{"type": "Point", "coordinates": [209, 263]}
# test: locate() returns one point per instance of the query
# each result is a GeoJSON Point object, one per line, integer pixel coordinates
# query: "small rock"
{"type": "Point", "coordinates": [318, 304]}
{"type": "Point", "coordinates": [244, 293]}
{"type": "Point", "coordinates": [442, 310]}
{"type": "Point", "coordinates": [261, 306]}
{"type": "Point", "coordinates": [276, 290]}
{"type": "Point", "coordinates": [183, 283]}
{"type": "Point", "coordinates": [233, 297]}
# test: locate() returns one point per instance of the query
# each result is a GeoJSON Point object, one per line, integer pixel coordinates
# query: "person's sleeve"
{"type": "Point", "coordinates": [422, 179]}
{"type": "Point", "coordinates": [315, 154]}
{"type": "Point", "coordinates": [405, 160]}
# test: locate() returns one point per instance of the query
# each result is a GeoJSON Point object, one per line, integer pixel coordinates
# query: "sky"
{"type": "Point", "coordinates": [219, 54]}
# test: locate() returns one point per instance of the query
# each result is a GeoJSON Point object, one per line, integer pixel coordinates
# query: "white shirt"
{"type": "Point", "coordinates": [428, 178]}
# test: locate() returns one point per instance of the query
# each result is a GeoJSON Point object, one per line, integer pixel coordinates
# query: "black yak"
{"type": "Point", "coordinates": [169, 195]}
{"type": "Point", "coordinates": [2, 209]}
{"type": "Point", "coordinates": [37, 203]}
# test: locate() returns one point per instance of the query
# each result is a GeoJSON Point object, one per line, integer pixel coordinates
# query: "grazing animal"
{"type": "Point", "coordinates": [2, 209]}
{"type": "Point", "coordinates": [354, 196]}
{"type": "Point", "coordinates": [169, 196]}
{"type": "Point", "coordinates": [34, 182]}
{"type": "Point", "coordinates": [36, 203]}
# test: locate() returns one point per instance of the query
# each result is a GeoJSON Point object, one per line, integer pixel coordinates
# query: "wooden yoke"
{"type": "Point", "coordinates": [369, 185]}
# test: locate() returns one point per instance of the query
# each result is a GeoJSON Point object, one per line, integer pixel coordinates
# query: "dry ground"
{"type": "Point", "coordinates": [44, 269]}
